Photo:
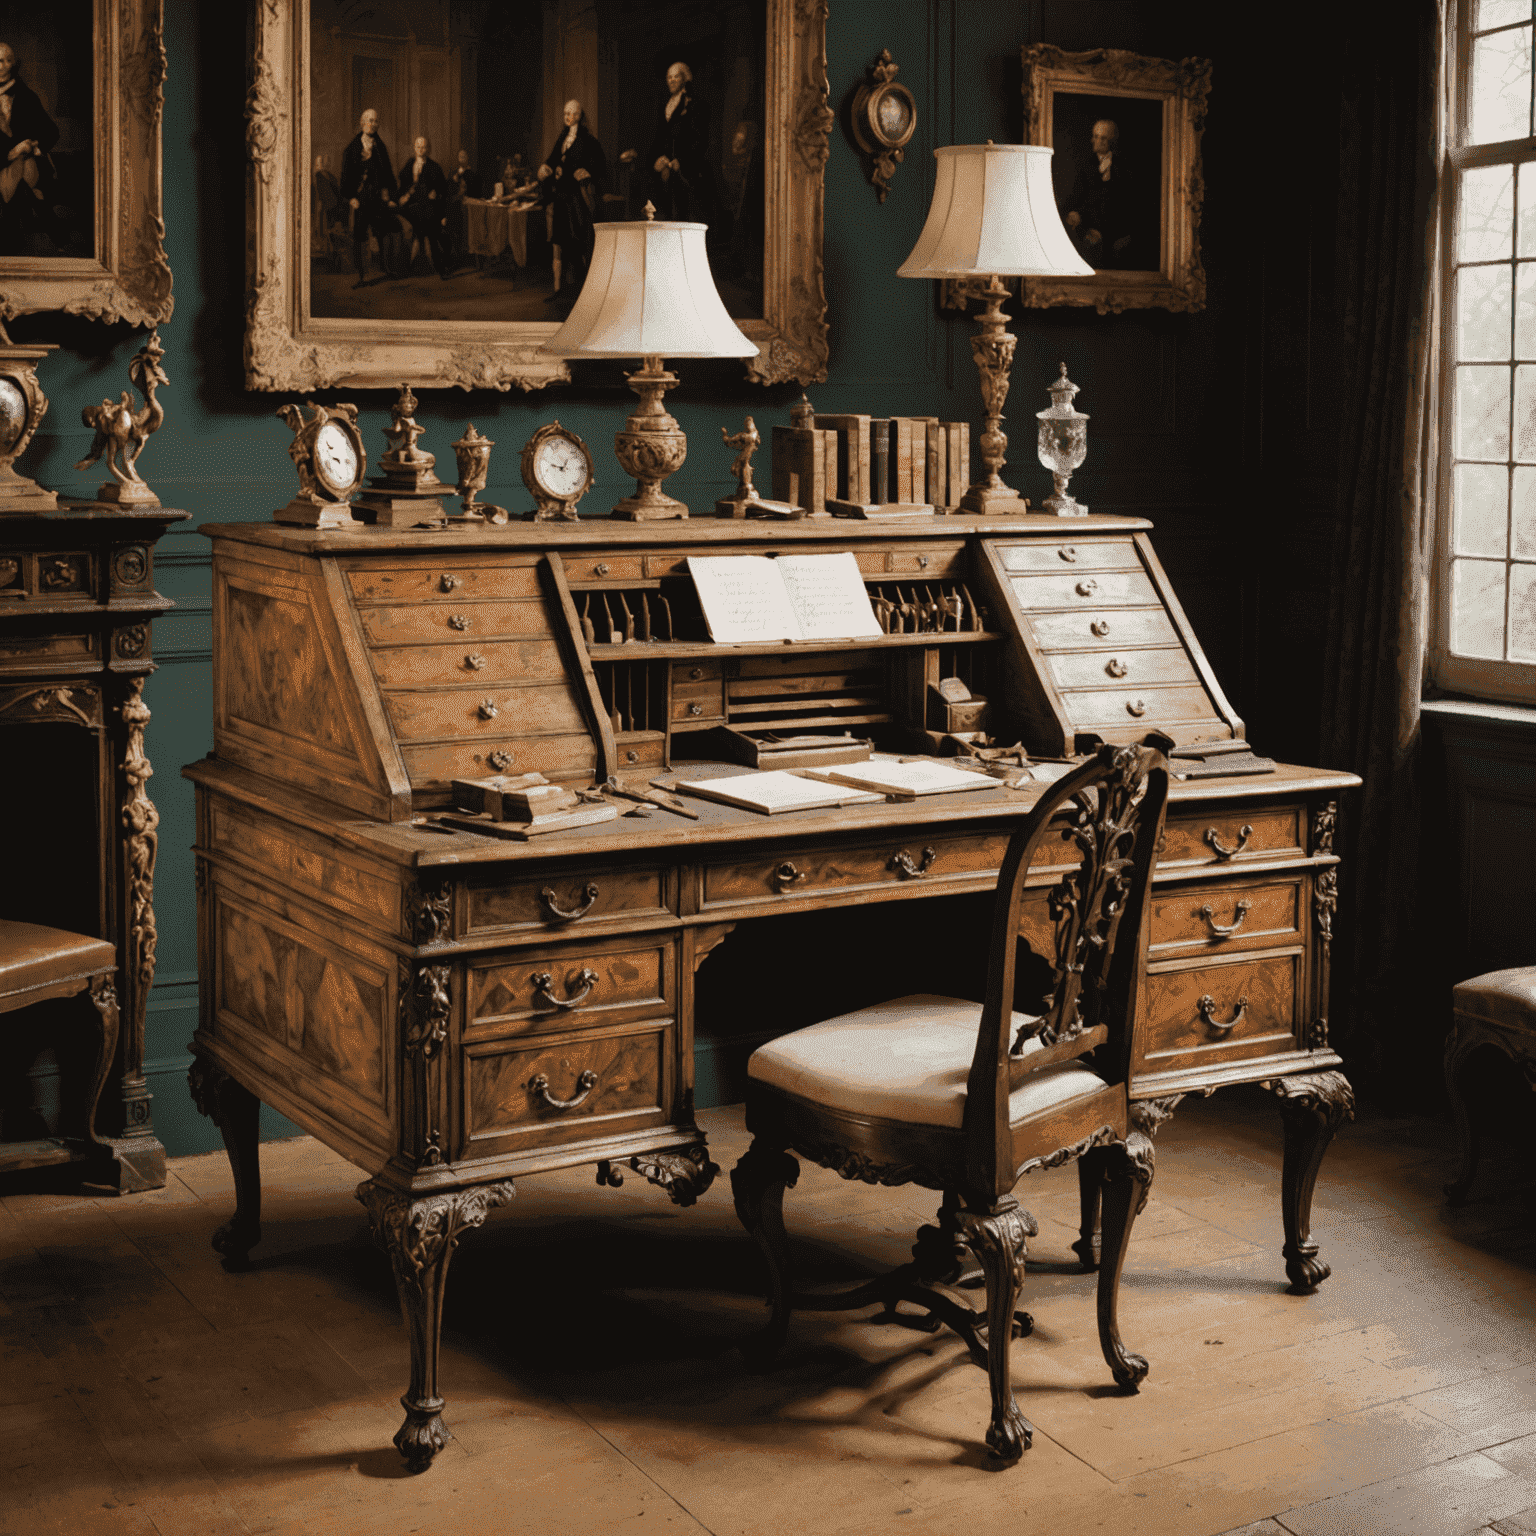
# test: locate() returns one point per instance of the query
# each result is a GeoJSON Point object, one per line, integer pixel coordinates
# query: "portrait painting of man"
{"type": "Point", "coordinates": [47, 185]}
{"type": "Point", "coordinates": [464, 151]}
{"type": "Point", "coordinates": [1106, 172]}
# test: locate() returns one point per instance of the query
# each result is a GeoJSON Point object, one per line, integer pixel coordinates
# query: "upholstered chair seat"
{"type": "Point", "coordinates": [967, 1098]}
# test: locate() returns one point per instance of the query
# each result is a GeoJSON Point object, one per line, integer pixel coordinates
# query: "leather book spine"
{"type": "Point", "coordinates": [880, 460]}
{"type": "Point", "coordinates": [938, 483]}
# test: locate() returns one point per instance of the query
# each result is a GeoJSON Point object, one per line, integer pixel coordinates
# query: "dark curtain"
{"type": "Point", "coordinates": [1387, 273]}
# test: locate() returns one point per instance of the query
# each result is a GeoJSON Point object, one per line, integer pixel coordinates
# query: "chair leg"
{"type": "Point", "coordinates": [1090, 1185]}
{"type": "Point", "coordinates": [1124, 1170]}
{"type": "Point", "coordinates": [758, 1183]}
{"type": "Point", "coordinates": [999, 1240]}
{"type": "Point", "coordinates": [1456, 1052]}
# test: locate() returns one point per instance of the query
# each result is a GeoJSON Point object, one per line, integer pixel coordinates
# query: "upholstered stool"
{"type": "Point", "coordinates": [1498, 1009]}
{"type": "Point", "coordinates": [38, 963]}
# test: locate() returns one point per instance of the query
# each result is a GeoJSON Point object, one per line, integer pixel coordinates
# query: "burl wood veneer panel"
{"type": "Point", "coordinates": [1255, 1007]}
{"type": "Point", "coordinates": [618, 978]}
{"type": "Point", "coordinates": [603, 894]}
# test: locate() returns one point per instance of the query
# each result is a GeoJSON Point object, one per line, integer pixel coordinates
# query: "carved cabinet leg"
{"type": "Point", "coordinates": [758, 1183]}
{"type": "Point", "coordinates": [1457, 1048]}
{"type": "Point", "coordinates": [999, 1241]}
{"type": "Point", "coordinates": [236, 1111]}
{"type": "Point", "coordinates": [104, 997]}
{"type": "Point", "coordinates": [1312, 1108]}
{"type": "Point", "coordinates": [1124, 1170]}
{"type": "Point", "coordinates": [419, 1235]}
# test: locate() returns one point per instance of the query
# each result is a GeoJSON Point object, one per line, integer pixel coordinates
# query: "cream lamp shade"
{"type": "Point", "coordinates": [649, 293]}
{"type": "Point", "coordinates": [993, 214]}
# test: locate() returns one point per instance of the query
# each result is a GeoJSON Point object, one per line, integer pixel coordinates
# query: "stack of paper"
{"type": "Point", "coordinates": [905, 780]}
{"type": "Point", "coordinates": [776, 791]}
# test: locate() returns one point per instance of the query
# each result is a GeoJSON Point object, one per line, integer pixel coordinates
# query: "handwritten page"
{"type": "Point", "coordinates": [828, 595]}
{"type": "Point", "coordinates": [743, 599]}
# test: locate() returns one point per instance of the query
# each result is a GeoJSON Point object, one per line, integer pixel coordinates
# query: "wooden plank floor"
{"type": "Point", "coordinates": [593, 1386]}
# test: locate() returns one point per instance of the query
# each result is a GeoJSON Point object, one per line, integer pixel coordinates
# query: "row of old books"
{"type": "Point", "coordinates": [871, 466]}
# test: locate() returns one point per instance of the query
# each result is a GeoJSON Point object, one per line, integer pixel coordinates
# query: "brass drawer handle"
{"type": "Point", "coordinates": [1086, 588]}
{"type": "Point", "coordinates": [447, 583]}
{"type": "Point", "coordinates": [1100, 627]}
{"type": "Point", "coordinates": [488, 709]}
{"type": "Point", "coordinates": [544, 989]}
{"type": "Point", "coordinates": [1213, 837]}
{"type": "Point", "coordinates": [785, 876]}
{"type": "Point", "coordinates": [459, 621]}
{"type": "Point", "coordinates": [922, 562]}
{"type": "Point", "coordinates": [1206, 1008]}
{"type": "Point", "coordinates": [584, 1086]}
{"type": "Point", "coordinates": [475, 662]}
{"type": "Point", "coordinates": [695, 673]}
{"type": "Point", "coordinates": [601, 568]}
{"type": "Point", "coordinates": [500, 761]}
{"type": "Point", "coordinates": [695, 709]}
{"type": "Point", "coordinates": [1239, 913]}
{"type": "Point", "coordinates": [1137, 707]}
{"type": "Point", "coordinates": [901, 862]}
{"type": "Point", "coordinates": [560, 914]}
{"type": "Point", "coordinates": [1115, 667]}
{"type": "Point", "coordinates": [1067, 552]}
{"type": "Point", "coordinates": [631, 756]}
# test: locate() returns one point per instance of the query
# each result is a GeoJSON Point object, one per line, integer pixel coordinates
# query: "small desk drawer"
{"type": "Point", "coordinates": [916, 860]}
{"type": "Point", "coordinates": [1083, 589]}
{"type": "Point", "coordinates": [432, 763]}
{"type": "Point", "coordinates": [1133, 669]}
{"type": "Point", "coordinates": [577, 901]}
{"type": "Point", "coordinates": [698, 701]}
{"type": "Point", "coordinates": [927, 560]}
{"type": "Point", "coordinates": [1108, 627]}
{"type": "Point", "coordinates": [1066, 555]}
{"type": "Point", "coordinates": [487, 710]}
{"type": "Point", "coordinates": [1246, 1006]}
{"type": "Point", "coordinates": [569, 985]}
{"type": "Point", "coordinates": [1112, 706]}
{"type": "Point", "coordinates": [1225, 916]}
{"type": "Point", "coordinates": [584, 568]}
{"type": "Point", "coordinates": [472, 661]}
{"type": "Point", "coordinates": [1220, 837]}
{"type": "Point", "coordinates": [449, 622]}
{"type": "Point", "coordinates": [566, 1087]}
{"type": "Point", "coordinates": [443, 580]}
{"type": "Point", "coordinates": [49, 649]}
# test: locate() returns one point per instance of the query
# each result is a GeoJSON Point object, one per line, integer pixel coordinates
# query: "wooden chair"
{"type": "Point", "coordinates": [38, 963]}
{"type": "Point", "coordinates": [966, 1098]}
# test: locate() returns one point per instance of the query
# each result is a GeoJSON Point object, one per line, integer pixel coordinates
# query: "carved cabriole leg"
{"type": "Point", "coordinates": [104, 996]}
{"type": "Point", "coordinates": [1312, 1107]}
{"type": "Point", "coordinates": [1458, 1046]}
{"type": "Point", "coordinates": [419, 1235]}
{"type": "Point", "coordinates": [236, 1111]}
{"type": "Point", "coordinates": [684, 1175]}
{"type": "Point", "coordinates": [1126, 1170]}
{"type": "Point", "coordinates": [999, 1241]}
{"type": "Point", "coordinates": [140, 1157]}
{"type": "Point", "coordinates": [1146, 1116]}
{"type": "Point", "coordinates": [758, 1183]}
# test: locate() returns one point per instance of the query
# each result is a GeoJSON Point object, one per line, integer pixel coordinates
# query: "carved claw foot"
{"type": "Point", "coordinates": [1304, 1269]}
{"type": "Point", "coordinates": [423, 1434]}
{"type": "Point", "coordinates": [1010, 1435]}
{"type": "Point", "coordinates": [999, 1240]}
{"type": "Point", "coordinates": [1125, 1169]}
{"type": "Point", "coordinates": [1312, 1108]}
{"type": "Point", "coordinates": [234, 1240]}
{"type": "Point", "coordinates": [236, 1112]}
{"type": "Point", "coordinates": [1130, 1370]}
{"type": "Point", "coordinates": [758, 1183]}
{"type": "Point", "coordinates": [684, 1175]}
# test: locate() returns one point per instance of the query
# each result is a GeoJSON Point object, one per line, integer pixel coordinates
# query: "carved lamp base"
{"type": "Point", "coordinates": [987, 502]}
{"type": "Point", "coordinates": [651, 447]}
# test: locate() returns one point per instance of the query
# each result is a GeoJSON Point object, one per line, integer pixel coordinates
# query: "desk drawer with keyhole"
{"type": "Point", "coordinates": [1193, 1014]}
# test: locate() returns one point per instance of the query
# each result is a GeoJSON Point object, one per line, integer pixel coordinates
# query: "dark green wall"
{"type": "Point", "coordinates": [1217, 425]}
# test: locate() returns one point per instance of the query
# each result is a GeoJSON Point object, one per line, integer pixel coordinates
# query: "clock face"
{"type": "Point", "coordinates": [893, 113]}
{"type": "Point", "coordinates": [13, 413]}
{"type": "Point", "coordinates": [561, 468]}
{"type": "Point", "coordinates": [335, 458]}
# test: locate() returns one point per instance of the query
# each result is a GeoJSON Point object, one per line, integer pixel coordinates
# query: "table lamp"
{"type": "Point", "coordinates": [993, 215]}
{"type": "Point", "coordinates": [649, 294]}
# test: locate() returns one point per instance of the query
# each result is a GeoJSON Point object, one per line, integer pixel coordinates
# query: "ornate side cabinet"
{"type": "Point", "coordinates": [77, 606]}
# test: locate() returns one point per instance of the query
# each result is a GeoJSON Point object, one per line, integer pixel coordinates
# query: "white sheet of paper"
{"type": "Point", "coordinates": [921, 778]}
{"type": "Point", "coordinates": [774, 790]}
{"type": "Point", "coordinates": [743, 599]}
{"type": "Point", "coordinates": [828, 595]}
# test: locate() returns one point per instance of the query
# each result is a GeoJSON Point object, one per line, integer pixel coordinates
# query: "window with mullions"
{"type": "Point", "coordinates": [1486, 629]}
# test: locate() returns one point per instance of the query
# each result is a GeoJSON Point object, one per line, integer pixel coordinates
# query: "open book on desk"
{"type": "Point", "coordinates": [905, 780]}
{"type": "Point", "coordinates": [777, 790]}
{"type": "Point", "coordinates": [751, 598]}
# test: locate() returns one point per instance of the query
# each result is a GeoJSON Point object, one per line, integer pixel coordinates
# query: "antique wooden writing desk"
{"type": "Point", "coordinates": [449, 1010]}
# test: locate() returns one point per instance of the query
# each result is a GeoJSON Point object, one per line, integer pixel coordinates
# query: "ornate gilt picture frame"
{"type": "Point", "coordinates": [97, 178]}
{"type": "Point", "coordinates": [1126, 131]}
{"type": "Point", "coordinates": [290, 348]}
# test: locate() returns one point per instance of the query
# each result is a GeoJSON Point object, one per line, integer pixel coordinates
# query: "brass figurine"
{"type": "Point", "coordinates": [473, 452]}
{"type": "Point", "coordinates": [122, 432]}
{"type": "Point", "coordinates": [407, 494]}
{"type": "Point", "coordinates": [747, 502]}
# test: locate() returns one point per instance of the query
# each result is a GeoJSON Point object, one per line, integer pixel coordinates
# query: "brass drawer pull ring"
{"type": "Point", "coordinates": [1100, 627]}
{"type": "Point", "coordinates": [695, 709]}
{"type": "Point", "coordinates": [1206, 1008]}
{"type": "Point", "coordinates": [1213, 837]}
{"type": "Point", "coordinates": [901, 862]}
{"type": "Point", "coordinates": [557, 913]}
{"type": "Point", "coordinates": [475, 662]}
{"type": "Point", "coordinates": [1115, 667]}
{"type": "Point", "coordinates": [1217, 931]}
{"type": "Point", "coordinates": [785, 876]}
{"type": "Point", "coordinates": [1067, 552]}
{"type": "Point", "coordinates": [584, 1086]}
{"type": "Point", "coordinates": [601, 568]}
{"type": "Point", "coordinates": [1087, 588]}
{"type": "Point", "coordinates": [488, 709]}
{"type": "Point", "coordinates": [544, 989]}
{"type": "Point", "coordinates": [1137, 707]}
{"type": "Point", "coordinates": [459, 621]}
{"type": "Point", "coordinates": [448, 583]}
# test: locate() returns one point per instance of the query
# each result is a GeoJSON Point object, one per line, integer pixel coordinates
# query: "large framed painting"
{"type": "Point", "coordinates": [1125, 131]}
{"type": "Point", "coordinates": [426, 177]}
{"type": "Point", "coordinates": [81, 98]}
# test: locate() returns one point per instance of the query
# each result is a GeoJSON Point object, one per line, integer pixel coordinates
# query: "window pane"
{"type": "Point", "coordinates": [1499, 13]}
{"type": "Point", "coordinates": [1487, 214]}
{"type": "Point", "coordinates": [1482, 313]}
{"type": "Point", "coordinates": [1482, 491]}
{"type": "Point", "coordinates": [1525, 413]}
{"type": "Point", "coordinates": [1522, 613]}
{"type": "Point", "coordinates": [1501, 86]}
{"type": "Point", "coordinates": [1523, 529]}
{"type": "Point", "coordinates": [1482, 413]}
{"type": "Point", "coordinates": [1477, 608]}
{"type": "Point", "coordinates": [1525, 308]}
